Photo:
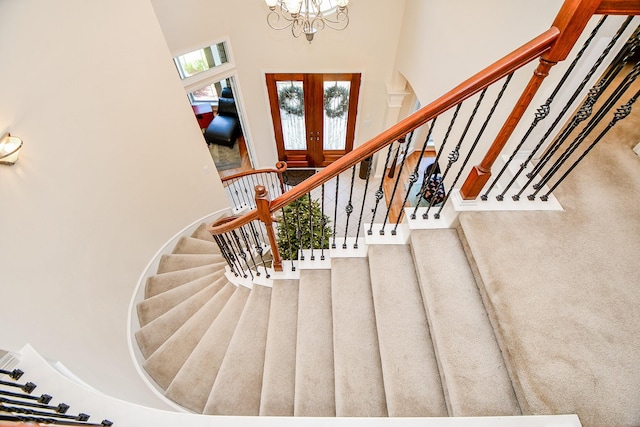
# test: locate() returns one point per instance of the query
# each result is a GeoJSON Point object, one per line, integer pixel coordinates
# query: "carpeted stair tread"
{"type": "Point", "coordinates": [473, 373]}
{"type": "Point", "coordinates": [192, 385]}
{"type": "Point", "coordinates": [152, 308]}
{"type": "Point", "coordinates": [153, 334]}
{"type": "Point", "coordinates": [166, 361]}
{"type": "Point", "coordinates": [166, 281]}
{"type": "Point", "coordinates": [238, 385]}
{"type": "Point", "coordinates": [192, 245]}
{"type": "Point", "coordinates": [315, 385]}
{"type": "Point", "coordinates": [410, 371]}
{"type": "Point", "coordinates": [175, 262]}
{"type": "Point", "coordinates": [278, 383]}
{"type": "Point", "coordinates": [358, 370]}
{"type": "Point", "coordinates": [202, 233]}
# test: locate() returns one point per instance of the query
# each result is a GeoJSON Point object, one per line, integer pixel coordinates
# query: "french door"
{"type": "Point", "coordinates": [314, 116]}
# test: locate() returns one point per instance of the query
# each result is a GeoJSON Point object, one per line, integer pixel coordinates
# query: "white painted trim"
{"type": "Point", "coordinates": [395, 97]}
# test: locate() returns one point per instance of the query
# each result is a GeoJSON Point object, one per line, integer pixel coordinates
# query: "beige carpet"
{"type": "Point", "coordinates": [563, 288]}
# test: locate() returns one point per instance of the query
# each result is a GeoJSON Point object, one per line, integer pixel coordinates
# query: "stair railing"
{"type": "Point", "coordinates": [294, 211]}
{"type": "Point", "coordinates": [23, 407]}
{"type": "Point", "coordinates": [230, 235]}
{"type": "Point", "coordinates": [240, 187]}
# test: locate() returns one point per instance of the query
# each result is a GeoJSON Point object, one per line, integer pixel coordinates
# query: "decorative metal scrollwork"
{"type": "Point", "coordinates": [454, 156]}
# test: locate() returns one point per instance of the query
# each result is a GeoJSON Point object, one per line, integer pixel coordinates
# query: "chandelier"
{"type": "Point", "coordinates": [307, 16]}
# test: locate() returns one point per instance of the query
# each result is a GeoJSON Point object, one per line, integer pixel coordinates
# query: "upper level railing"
{"type": "Point", "coordinates": [331, 207]}
{"type": "Point", "coordinates": [240, 187]}
{"type": "Point", "coordinates": [18, 404]}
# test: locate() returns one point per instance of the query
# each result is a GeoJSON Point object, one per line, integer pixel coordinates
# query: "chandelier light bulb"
{"type": "Point", "coordinates": [307, 16]}
{"type": "Point", "coordinates": [293, 6]}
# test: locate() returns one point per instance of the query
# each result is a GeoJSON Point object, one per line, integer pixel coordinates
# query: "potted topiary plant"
{"type": "Point", "coordinates": [294, 232]}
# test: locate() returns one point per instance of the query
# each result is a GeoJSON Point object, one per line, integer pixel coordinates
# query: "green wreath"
{"type": "Point", "coordinates": [292, 100]}
{"type": "Point", "coordinates": [336, 101]}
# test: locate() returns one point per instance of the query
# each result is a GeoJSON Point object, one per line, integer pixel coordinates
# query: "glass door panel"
{"type": "Point", "coordinates": [291, 102]}
{"type": "Point", "coordinates": [336, 112]}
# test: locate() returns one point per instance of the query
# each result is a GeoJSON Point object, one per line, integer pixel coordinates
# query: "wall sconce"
{"type": "Point", "coordinates": [9, 149]}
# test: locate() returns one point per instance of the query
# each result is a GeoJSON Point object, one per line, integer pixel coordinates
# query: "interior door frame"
{"type": "Point", "coordinates": [313, 84]}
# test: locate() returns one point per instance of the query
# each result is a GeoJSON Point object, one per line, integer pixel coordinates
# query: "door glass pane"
{"type": "Point", "coordinates": [336, 110]}
{"type": "Point", "coordinates": [291, 101]}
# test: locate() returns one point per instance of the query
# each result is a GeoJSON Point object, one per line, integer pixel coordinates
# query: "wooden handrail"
{"type": "Point", "coordinates": [235, 222]}
{"type": "Point", "coordinates": [618, 7]}
{"type": "Point", "coordinates": [571, 20]}
{"type": "Point", "coordinates": [468, 88]}
{"type": "Point", "coordinates": [280, 168]}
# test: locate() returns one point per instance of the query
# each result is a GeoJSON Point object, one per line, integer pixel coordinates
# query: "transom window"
{"type": "Point", "coordinates": [200, 60]}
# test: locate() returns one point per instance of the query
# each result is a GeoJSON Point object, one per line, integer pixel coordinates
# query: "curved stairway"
{"type": "Point", "coordinates": [371, 337]}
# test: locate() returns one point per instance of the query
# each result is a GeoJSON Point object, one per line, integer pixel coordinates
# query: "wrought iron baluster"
{"type": "Point", "coordinates": [234, 253]}
{"type": "Point", "coordinates": [392, 169]}
{"type": "Point", "coordinates": [311, 235]}
{"type": "Point", "coordinates": [27, 387]}
{"type": "Point", "coordinates": [248, 192]}
{"type": "Point", "coordinates": [61, 408]}
{"type": "Point", "coordinates": [379, 193]}
{"type": "Point", "coordinates": [364, 199]}
{"type": "Point", "coordinates": [561, 138]}
{"type": "Point", "coordinates": [349, 208]}
{"type": "Point", "coordinates": [43, 398]}
{"type": "Point", "coordinates": [335, 212]}
{"type": "Point", "coordinates": [242, 253]}
{"type": "Point", "coordinates": [14, 374]}
{"type": "Point", "coordinates": [395, 186]}
{"type": "Point", "coordinates": [452, 158]}
{"type": "Point", "coordinates": [274, 189]}
{"type": "Point", "coordinates": [224, 250]}
{"type": "Point", "coordinates": [323, 224]}
{"type": "Point", "coordinates": [60, 418]}
{"type": "Point", "coordinates": [255, 181]}
{"type": "Point", "coordinates": [288, 237]}
{"type": "Point", "coordinates": [541, 113]}
{"type": "Point", "coordinates": [475, 142]}
{"type": "Point", "coordinates": [413, 178]}
{"type": "Point", "coordinates": [600, 114]}
{"type": "Point", "coordinates": [259, 249]}
{"type": "Point", "coordinates": [248, 250]}
{"type": "Point", "coordinates": [47, 420]}
{"type": "Point", "coordinates": [594, 95]}
{"type": "Point", "coordinates": [620, 114]}
{"type": "Point", "coordinates": [299, 230]}
{"type": "Point", "coordinates": [436, 161]}
{"type": "Point", "coordinates": [233, 193]}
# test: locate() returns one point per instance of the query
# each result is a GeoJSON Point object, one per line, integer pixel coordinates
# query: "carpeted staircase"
{"type": "Point", "coordinates": [402, 333]}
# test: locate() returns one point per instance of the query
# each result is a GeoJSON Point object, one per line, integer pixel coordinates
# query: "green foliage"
{"type": "Point", "coordinates": [290, 237]}
{"type": "Point", "coordinates": [195, 66]}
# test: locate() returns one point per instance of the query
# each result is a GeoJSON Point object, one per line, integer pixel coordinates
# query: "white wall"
{"type": "Point", "coordinates": [113, 165]}
{"type": "Point", "coordinates": [445, 42]}
{"type": "Point", "coordinates": [368, 45]}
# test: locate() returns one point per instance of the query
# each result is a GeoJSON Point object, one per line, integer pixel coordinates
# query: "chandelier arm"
{"type": "Point", "coordinates": [274, 18]}
{"type": "Point", "coordinates": [306, 20]}
{"type": "Point", "coordinates": [341, 22]}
